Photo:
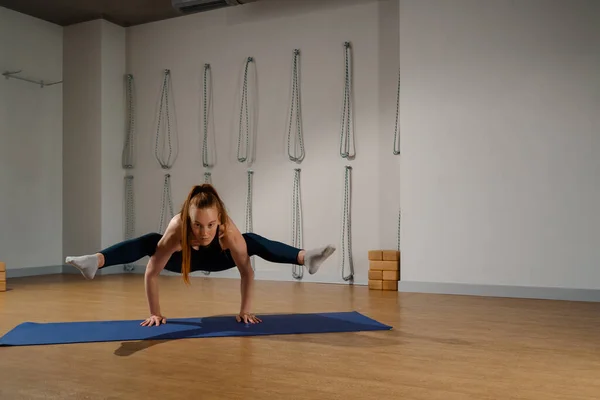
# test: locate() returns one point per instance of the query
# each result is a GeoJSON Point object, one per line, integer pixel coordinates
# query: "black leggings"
{"type": "Point", "coordinates": [210, 259]}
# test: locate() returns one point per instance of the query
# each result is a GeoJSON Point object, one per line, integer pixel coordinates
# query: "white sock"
{"type": "Point", "coordinates": [314, 258]}
{"type": "Point", "coordinates": [87, 265]}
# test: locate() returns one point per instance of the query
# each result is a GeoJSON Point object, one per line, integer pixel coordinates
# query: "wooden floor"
{"type": "Point", "coordinates": [441, 347]}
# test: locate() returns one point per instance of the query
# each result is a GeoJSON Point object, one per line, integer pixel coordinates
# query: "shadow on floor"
{"type": "Point", "coordinates": [304, 328]}
{"type": "Point", "coordinates": [343, 340]}
{"type": "Point", "coordinates": [358, 335]}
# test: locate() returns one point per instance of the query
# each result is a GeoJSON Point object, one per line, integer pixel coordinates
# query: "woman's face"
{"type": "Point", "coordinates": [204, 222]}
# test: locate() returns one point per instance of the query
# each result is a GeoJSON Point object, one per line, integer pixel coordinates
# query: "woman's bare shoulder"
{"type": "Point", "coordinates": [174, 226]}
{"type": "Point", "coordinates": [172, 236]}
{"type": "Point", "coordinates": [229, 234]}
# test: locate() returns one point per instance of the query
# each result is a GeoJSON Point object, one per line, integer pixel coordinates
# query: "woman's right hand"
{"type": "Point", "coordinates": [154, 320]}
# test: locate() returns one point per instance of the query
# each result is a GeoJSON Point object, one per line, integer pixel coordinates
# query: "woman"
{"type": "Point", "coordinates": [200, 237]}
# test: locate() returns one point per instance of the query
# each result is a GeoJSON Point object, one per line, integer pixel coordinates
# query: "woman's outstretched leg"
{"type": "Point", "coordinates": [124, 252]}
{"type": "Point", "coordinates": [282, 253]}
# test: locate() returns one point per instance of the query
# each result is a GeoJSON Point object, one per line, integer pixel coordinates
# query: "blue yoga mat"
{"type": "Point", "coordinates": [31, 333]}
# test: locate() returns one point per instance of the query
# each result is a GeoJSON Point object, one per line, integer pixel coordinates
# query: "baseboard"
{"type": "Point", "coordinates": [56, 269]}
{"type": "Point", "coordinates": [33, 271]}
{"type": "Point", "coordinates": [522, 292]}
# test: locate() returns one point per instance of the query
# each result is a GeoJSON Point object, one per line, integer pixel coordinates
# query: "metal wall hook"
{"type": "Point", "coordinates": [13, 74]}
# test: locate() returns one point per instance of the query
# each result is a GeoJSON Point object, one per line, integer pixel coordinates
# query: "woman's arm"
{"type": "Point", "coordinates": [155, 265]}
{"type": "Point", "coordinates": [168, 244]}
{"type": "Point", "coordinates": [234, 241]}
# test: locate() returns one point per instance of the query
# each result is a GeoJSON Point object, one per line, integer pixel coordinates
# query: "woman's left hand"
{"type": "Point", "coordinates": [247, 318]}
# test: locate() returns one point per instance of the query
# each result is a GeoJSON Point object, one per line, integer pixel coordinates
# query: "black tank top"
{"type": "Point", "coordinates": [212, 257]}
{"type": "Point", "coordinates": [212, 249]}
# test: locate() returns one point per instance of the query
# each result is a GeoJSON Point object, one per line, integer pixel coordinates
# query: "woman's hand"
{"type": "Point", "coordinates": [154, 320]}
{"type": "Point", "coordinates": [247, 318]}
{"type": "Point", "coordinates": [167, 245]}
{"type": "Point", "coordinates": [236, 244]}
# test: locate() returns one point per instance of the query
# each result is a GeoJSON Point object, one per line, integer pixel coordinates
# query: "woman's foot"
{"type": "Point", "coordinates": [313, 259]}
{"type": "Point", "coordinates": [88, 265]}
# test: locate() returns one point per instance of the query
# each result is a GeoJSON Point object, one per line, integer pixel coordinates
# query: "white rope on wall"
{"type": "Point", "coordinates": [207, 96]}
{"type": "Point", "coordinates": [245, 142]}
{"type": "Point", "coordinates": [297, 225]}
{"type": "Point", "coordinates": [347, 151]}
{"type": "Point", "coordinates": [206, 103]}
{"type": "Point", "coordinates": [128, 163]}
{"type": "Point", "coordinates": [129, 212]}
{"type": "Point", "coordinates": [347, 147]}
{"type": "Point", "coordinates": [166, 204]}
{"type": "Point", "coordinates": [347, 226]}
{"type": "Point", "coordinates": [165, 161]}
{"type": "Point", "coordinates": [396, 149]}
{"type": "Point", "coordinates": [399, 216]}
{"type": "Point", "coordinates": [297, 153]}
{"type": "Point", "coordinates": [244, 148]}
{"type": "Point", "coordinates": [249, 217]}
{"type": "Point", "coordinates": [127, 157]}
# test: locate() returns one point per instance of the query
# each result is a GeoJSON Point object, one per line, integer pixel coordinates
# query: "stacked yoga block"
{"type": "Point", "coordinates": [384, 269]}
{"type": "Point", "coordinates": [2, 277]}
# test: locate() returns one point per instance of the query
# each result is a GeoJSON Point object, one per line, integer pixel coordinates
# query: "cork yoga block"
{"type": "Point", "coordinates": [375, 275]}
{"type": "Point", "coordinates": [375, 284]}
{"type": "Point", "coordinates": [384, 269]}
{"type": "Point", "coordinates": [384, 265]}
{"type": "Point", "coordinates": [390, 275]}
{"type": "Point", "coordinates": [375, 255]}
{"type": "Point", "coordinates": [384, 255]}
{"type": "Point", "coordinates": [390, 255]}
{"type": "Point", "coordinates": [2, 277]}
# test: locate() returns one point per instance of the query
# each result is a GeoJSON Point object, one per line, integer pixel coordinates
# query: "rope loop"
{"type": "Point", "coordinates": [164, 162]}
{"type": "Point", "coordinates": [295, 155]}
{"type": "Point", "coordinates": [347, 147]}
{"type": "Point", "coordinates": [249, 227]}
{"type": "Point", "coordinates": [127, 160]}
{"type": "Point", "coordinates": [347, 227]}
{"type": "Point", "coordinates": [166, 203]}
{"type": "Point", "coordinates": [297, 226]}
{"type": "Point", "coordinates": [207, 91]}
{"type": "Point", "coordinates": [244, 155]}
{"type": "Point", "coordinates": [396, 150]}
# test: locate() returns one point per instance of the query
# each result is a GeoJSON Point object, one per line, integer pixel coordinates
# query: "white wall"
{"type": "Point", "coordinates": [30, 143]}
{"type": "Point", "coordinates": [499, 128]}
{"type": "Point", "coordinates": [82, 138]}
{"type": "Point", "coordinates": [94, 69]}
{"type": "Point", "coordinates": [269, 32]}
{"type": "Point", "coordinates": [113, 128]}
{"type": "Point", "coordinates": [500, 139]}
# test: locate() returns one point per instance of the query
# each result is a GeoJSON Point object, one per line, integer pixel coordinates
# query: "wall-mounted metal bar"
{"type": "Point", "coordinates": [13, 74]}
